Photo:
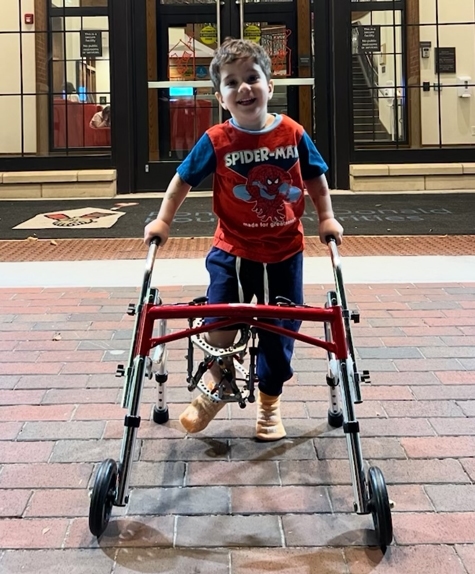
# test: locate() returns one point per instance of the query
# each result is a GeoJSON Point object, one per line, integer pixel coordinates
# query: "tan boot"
{"type": "Point", "coordinates": [200, 413]}
{"type": "Point", "coordinates": [269, 425]}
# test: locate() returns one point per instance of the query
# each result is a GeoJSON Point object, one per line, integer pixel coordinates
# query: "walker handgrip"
{"type": "Point", "coordinates": [152, 252]}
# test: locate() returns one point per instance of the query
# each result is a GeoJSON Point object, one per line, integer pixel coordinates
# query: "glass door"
{"type": "Point", "coordinates": [178, 105]}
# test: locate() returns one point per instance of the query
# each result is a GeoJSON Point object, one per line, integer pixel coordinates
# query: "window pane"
{"type": "Point", "coordinates": [52, 84]}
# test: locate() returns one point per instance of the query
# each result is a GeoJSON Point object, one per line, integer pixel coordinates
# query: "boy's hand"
{"type": "Point", "coordinates": [328, 227]}
{"type": "Point", "coordinates": [156, 228]}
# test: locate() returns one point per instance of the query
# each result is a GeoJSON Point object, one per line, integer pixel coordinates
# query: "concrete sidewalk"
{"type": "Point", "coordinates": [218, 502]}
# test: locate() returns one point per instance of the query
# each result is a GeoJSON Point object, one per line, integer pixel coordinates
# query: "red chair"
{"type": "Point", "coordinates": [189, 119]}
{"type": "Point", "coordinates": [79, 133]}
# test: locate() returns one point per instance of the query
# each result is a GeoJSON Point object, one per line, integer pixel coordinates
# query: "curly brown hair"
{"type": "Point", "coordinates": [234, 49]}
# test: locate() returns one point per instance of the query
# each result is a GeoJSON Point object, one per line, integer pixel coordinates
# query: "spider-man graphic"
{"type": "Point", "coordinates": [268, 187]}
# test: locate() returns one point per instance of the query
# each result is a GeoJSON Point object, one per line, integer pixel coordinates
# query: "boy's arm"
{"type": "Point", "coordinates": [319, 193]}
{"type": "Point", "coordinates": [174, 196]}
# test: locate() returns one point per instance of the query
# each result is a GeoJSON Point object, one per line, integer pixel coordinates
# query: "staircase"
{"type": "Point", "coordinates": [366, 123]}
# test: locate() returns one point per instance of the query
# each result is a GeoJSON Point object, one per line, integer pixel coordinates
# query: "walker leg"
{"type": "Point", "coordinates": [159, 367]}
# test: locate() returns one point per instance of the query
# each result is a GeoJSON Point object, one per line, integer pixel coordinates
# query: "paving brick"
{"type": "Point", "coordinates": [231, 473]}
{"type": "Point", "coordinates": [8, 381]}
{"type": "Point", "coordinates": [421, 559]}
{"type": "Point", "coordinates": [184, 449]}
{"type": "Point", "coordinates": [70, 356]}
{"type": "Point", "coordinates": [59, 502]}
{"type": "Point", "coordinates": [36, 413]}
{"type": "Point", "coordinates": [456, 377]}
{"type": "Point", "coordinates": [25, 451]}
{"type": "Point", "coordinates": [374, 448]}
{"type": "Point", "coordinates": [374, 392]}
{"type": "Point", "coordinates": [62, 430]}
{"type": "Point", "coordinates": [413, 341]}
{"type": "Point", "coordinates": [288, 561]}
{"type": "Point", "coordinates": [123, 532]}
{"type": "Point", "coordinates": [87, 450]}
{"type": "Point", "coordinates": [157, 474]}
{"type": "Point", "coordinates": [12, 504]}
{"type": "Point", "coordinates": [459, 341]}
{"type": "Point", "coordinates": [279, 499]}
{"type": "Point", "coordinates": [312, 472]}
{"type": "Point", "coordinates": [442, 392]}
{"type": "Point", "coordinates": [427, 365]}
{"type": "Point", "coordinates": [21, 397]}
{"type": "Point", "coordinates": [469, 467]}
{"type": "Point", "coordinates": [85, 335]}
{"type": "Point", "coordinates": [396, 427]}
{"type": "Point", "coordinates": [328, 530]}
{"type": "Point", "coordinates": [454, 426]}
{"type": "Point", "coordinates": [189, 501]}
{"type": "Point", "coordinates": [439, 447]}
{"type": "Point", "coordinates": [51, 382]}
{"type": "Point", "coordinates": [56, 562]}
{"type": "Point", "coordinates": [60, 327]}
{"type": "Point", "coordinates": [446, 528]}
{"type": "Point", "coordinates": [422, 471]}
{"type": "Point", "coordinates": [7, 345]}
{"type": "Point", "coordinates": [407, 498]}
{"type": "Point", "coordinates": [367, 409]}
{"type": "Point", "coordinates": [286, 449]}
{"type": "Point", "coordinates": [170, 560]}
{"type": "Point", "coordinates": [446, 331]}
{"type": "Point", "coordinates": [65, 396]}
{"type": "Point", "coordinates": [45, 475]}
{"type": "Point", "coordinates": [10, 430]}
{"type": "Point", "coordinates": [423, 409]}
{"type": "Point", "coordinates": [389, 353]}
{"type": "Point", "coordinates": [447, 352]}
{"type": "Point", "coordinates": [35, 533]}
{"type": "Point", "coordinates": [452, 498]}
{"type": "Point", "coordinates": [88, 368]}
{"type": "Point", "coordinates": [467, 555]}
{"type": "Point", "coordinates": [228, 531]}
{"type": "Point", "coordinates": [17, 356]}
{"type": "Point", "coordinates": [30, 368]}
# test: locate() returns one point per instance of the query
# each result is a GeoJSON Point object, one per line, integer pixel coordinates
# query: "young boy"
{"type": "Point", "coordinates": [261, 164]}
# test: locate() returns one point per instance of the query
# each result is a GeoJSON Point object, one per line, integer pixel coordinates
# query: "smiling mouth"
{"type": "Point", "coordinates": [247, 102]}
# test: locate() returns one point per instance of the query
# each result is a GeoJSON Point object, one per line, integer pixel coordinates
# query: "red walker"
{"type": "Point", "coordinates": [111, 485]}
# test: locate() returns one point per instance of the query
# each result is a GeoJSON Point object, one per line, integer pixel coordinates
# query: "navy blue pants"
{"type": "Point", "coordinates": [282, 279]}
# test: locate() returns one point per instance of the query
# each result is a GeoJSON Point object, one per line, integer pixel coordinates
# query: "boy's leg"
{"type": "Point", "coordinates": [223, 288]}
{"type": "Point", "coordinates": [275, 351]}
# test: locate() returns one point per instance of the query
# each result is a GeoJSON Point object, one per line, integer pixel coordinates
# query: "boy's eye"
{"type": "Point", "coordinates": [231, 83]}
{"type": "Point", "coordinates": [253, 78]}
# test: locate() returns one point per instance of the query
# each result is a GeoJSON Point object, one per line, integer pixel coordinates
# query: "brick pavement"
{"type": "Point", "coordinates": [218, 502]}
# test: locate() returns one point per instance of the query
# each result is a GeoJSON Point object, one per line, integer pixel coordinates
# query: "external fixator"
{"type": "Point", "coordinates": [236, 383]}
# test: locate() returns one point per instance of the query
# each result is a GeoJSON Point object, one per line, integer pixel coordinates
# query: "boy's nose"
{"type": "Point", "coordinates": [245, 87]}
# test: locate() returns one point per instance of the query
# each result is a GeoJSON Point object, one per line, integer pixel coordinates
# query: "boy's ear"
{"type": "Point", "coordinates": [219, 97]}
{"type": "Point", "coordinates": [271, 89]}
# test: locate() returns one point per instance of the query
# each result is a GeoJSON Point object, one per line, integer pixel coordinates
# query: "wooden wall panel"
{"type": "Point", "coordinates": [304, 48]}
{"type": "Point", "coordinates": [154, 154]}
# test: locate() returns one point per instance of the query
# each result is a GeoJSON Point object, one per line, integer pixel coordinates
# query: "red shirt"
{"type": "Point", "coordinates": [258, 186]}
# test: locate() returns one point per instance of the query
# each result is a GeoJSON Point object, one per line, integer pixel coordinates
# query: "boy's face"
{"type": "Point", "coordinates": [245, 91]}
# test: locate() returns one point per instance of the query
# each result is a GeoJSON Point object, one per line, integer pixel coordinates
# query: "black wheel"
{"type": "Point", "coordinates": [103, 497]}
{"type": "Point", "coordinates": [160, 417]}
{"type": "Point", "coordinates": [335, 420]}
{"type": "Point", "coordinates": [380, 507]}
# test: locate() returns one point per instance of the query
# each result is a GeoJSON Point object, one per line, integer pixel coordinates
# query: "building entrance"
{"type": "Point", "coordinates": [175, 98]}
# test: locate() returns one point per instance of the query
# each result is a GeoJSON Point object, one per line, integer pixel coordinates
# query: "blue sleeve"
{"type": "Point", "coordinates": [311, 162]}
{"type": "Point", "coordinates": [199, 163]}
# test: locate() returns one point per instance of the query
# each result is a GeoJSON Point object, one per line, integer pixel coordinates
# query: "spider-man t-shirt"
{"type": "Point", "coordinates": [258, 186]}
